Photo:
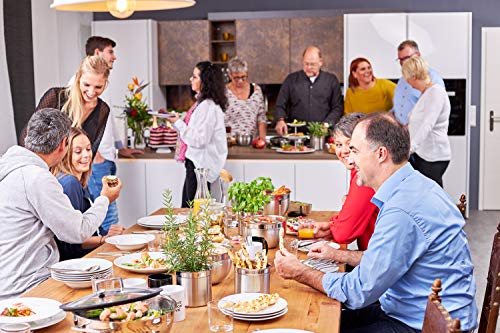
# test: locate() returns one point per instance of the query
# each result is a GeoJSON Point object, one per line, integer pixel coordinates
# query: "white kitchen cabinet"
{"type": "Point", "coordinates": [132, 200]}
{"type": "Point", "coordinates": [161, 175]}
{"type": "Point", "coordinates": [136, 56]}
{"type": "Point", "coordinates": [280, 172]}
{"type": "Point", "coordinates": [375, 37]}
{"type": "Point", "coordinates": [322, 183]}
{"type": "Point", "coordinates": [455, 178]}
{"type": "Point", "coordinates": [444, 41]}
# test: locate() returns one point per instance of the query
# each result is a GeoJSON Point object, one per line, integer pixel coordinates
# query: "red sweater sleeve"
{"type": "Point", "coordinates": [357, 217]}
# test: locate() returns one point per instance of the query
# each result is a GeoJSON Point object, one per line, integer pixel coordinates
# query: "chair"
{"type": "Point", "coordinates": [489, 312]}
{"type": "Point", "coordinates": [437, 319]}
{"type": "Point", "coordinates": [462, 205]}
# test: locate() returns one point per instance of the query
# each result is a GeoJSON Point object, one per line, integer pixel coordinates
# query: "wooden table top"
{"type": "Point", "coordinates": [308, 309]}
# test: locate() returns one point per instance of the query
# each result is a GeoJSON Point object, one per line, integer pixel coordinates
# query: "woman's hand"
{"type": "Point", "coordinates": [321, 229]}
{"type": "Point", "coordinates": [173, 118]}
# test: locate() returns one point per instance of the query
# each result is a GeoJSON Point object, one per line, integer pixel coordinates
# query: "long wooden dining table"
{"type": "Point", "coordinates": [308, 309]}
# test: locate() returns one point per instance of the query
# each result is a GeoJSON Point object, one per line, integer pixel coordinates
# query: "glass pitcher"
{"type": "Point", "coordinates": [202, 194]}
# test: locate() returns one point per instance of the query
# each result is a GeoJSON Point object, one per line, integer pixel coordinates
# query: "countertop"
{"type": "Point", "coordinates": [249, 153]}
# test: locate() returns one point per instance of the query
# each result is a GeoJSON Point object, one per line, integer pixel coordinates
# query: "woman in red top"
{"type": "Point", "coordinates": [356, 219]}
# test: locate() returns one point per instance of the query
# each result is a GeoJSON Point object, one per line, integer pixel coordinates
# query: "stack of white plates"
{"type": "Point", "coordinates": [79, 278]}
{"type": "Point", "coordinates": [158, 221]}
{"type": "Point", "coordinates": [45, 312]}
{"type": "Point", "coordinates": [274, 311]}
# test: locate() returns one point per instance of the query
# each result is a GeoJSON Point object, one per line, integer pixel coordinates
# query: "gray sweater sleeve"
{"type": "Point", "coordinates": [55, 211]}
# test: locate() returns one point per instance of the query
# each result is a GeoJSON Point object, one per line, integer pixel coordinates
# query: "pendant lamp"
{"type": "Point", "coordinates": [119, 8]}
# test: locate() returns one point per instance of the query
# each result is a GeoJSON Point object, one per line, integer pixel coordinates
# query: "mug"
{"type": "Point", "coordinates": [262, 240]}
{"type": "Point", "coordinates": [159, 279]}
{"type": "Point", "coordinates": [177, 293]}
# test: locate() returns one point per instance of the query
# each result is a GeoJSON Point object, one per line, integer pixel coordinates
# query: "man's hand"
{"type": "Point", "coordinates": [98, 159]}
{"type": "Point", "coordinates": [281, 127]}
{"type": "Point", "coordinates": [129, 153]}
{"type": "Point", "coordinates": [287, 265]}
{"type": "Point", "coordinates": [321, 229]}
{"type": "Point", "coordinates": [115, 229]}
{"type": "Point", "coordinates": [112, 193]}
{"type": "Point", "coordinates": [325, 251]}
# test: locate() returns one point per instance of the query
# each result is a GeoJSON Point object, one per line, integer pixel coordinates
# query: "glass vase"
{"type": "Point", "coordinates": [139, 140]}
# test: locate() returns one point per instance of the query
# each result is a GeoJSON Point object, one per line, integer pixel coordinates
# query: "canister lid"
{"type": "Point", "coordinates": [111, 297]}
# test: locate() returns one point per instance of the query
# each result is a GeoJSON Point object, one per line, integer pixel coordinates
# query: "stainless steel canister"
{"type": "Point", "coordinates": [252, 280]}
{"type": "Point", "coordinates": [198, 286]}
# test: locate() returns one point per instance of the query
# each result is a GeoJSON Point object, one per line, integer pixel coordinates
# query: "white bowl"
{"type": "Point", "coordinates": [130, 242]}
{"type": "Point", "coordinates": [135, 283]}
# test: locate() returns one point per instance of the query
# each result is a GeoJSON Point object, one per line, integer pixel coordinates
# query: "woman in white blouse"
{"type": "Point", "coordinates": [428, 122]}
{"type": "Point", "coordinates": [202, 134]}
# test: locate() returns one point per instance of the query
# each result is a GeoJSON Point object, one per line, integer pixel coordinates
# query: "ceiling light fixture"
{"type": "Point", "coordinates": [119, 8]}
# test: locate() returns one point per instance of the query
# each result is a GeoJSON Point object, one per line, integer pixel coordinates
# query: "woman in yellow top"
{"type": "Point", "coordinates": [366, 93]}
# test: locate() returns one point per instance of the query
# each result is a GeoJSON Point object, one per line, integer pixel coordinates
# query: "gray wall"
{"type": "Point", "coordinates": [485, 13]}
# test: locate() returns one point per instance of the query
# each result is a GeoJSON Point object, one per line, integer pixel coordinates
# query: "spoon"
{"type": "Point", "coordinates": [83, 270]}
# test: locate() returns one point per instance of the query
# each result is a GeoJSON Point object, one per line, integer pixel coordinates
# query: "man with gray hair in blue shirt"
{"type": "Point", "coordinates": [405, 96]}
{"type": "Point", "coordinates": [418, 237]}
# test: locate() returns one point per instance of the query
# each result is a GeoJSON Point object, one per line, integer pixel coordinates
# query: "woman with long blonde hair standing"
{"type": "Point", "coordinates": [80, 101]}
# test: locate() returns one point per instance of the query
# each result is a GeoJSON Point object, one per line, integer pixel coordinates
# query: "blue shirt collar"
{"type": "Point", "coordinates": [386, 190]}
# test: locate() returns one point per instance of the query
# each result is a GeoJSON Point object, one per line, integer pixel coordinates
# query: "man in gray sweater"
{"type": "Point", "coordinates": [34, 208]}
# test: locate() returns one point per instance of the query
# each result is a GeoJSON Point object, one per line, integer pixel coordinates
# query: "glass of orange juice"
{"type": "Point", "coordinates": [306, 233]}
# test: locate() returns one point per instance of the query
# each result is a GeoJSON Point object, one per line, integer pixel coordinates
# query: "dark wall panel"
{"type": "Point", "coordinates": [19, 49]}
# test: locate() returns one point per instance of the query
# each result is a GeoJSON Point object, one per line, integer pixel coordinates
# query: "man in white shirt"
{"type": "Point", "coordinates": [104, 161]}
{"type": "Point", "coordinates": [34, 208]}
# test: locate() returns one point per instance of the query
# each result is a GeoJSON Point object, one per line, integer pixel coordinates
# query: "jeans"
{"type": "Point", "coordinates": [371, 319]}
{"type": "Point", "coordinates": [95, 186]}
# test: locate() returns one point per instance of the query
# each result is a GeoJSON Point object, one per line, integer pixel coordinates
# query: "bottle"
{"type": "Point", "coordinates": [202, 194]}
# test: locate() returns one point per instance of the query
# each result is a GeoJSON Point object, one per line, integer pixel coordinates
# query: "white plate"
{"type": "Point", "coordinates": [43, 308]}
{"type": "Point", "coordinates": [158, 221]}
{"type": "Point", "coordinates": [48, 322]}
{"type": "Point", "coordinates": [281, 151]}
{"type": "Point", "coordinates": [78, 285]}
{"type": "Point", "coordinates": [83, 263]}
{"type": "Point", "coordinates": [283, 330]}
{"type": "Point", "coordinates": [280, 304]}
{"type": "Point", "coordinates": [314, 243]}
{"type": "Point", "coordinates": [160, 115]}
{"type": "Point", "coordinates": [64, 278]}
{"type": "Point", "coordinates": [130, 241]}
{"type": "Point", "coordinates": [129, 258]}
{"type": "Point", "coordinates": [279, 314]}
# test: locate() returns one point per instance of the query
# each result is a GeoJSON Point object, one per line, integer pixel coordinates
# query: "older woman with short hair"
{"type": "Point", "coordinates": [428, 122]}
{"type": "Point", "coordinates": [246, 113]}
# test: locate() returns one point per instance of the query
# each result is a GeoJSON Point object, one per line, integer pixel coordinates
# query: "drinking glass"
{"type": "Point", "coordinates": [219, 321]}
{"type": "Point", "coordinates": [291, 245]}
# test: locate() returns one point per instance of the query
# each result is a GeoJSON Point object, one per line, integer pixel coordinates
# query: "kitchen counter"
{"type": "Point", "coordinates": [249, 153]}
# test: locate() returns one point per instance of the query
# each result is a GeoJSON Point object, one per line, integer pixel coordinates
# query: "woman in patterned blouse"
{"type": "Point", "coordinates": [245, 113]}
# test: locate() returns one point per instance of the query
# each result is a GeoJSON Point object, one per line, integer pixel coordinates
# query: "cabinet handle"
{"type": "Point", "coordinates": [493, 119]}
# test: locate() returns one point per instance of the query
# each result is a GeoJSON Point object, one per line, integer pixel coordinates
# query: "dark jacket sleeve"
{"type": "Point", "coordinates": [336, 103]}
{"type": "Point", "coordinates": [283, 100]}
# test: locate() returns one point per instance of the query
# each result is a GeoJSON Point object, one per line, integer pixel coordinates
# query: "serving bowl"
{"type": "Point", "coordinates": [278, 205]}
{"type": "Point", "coordinates": [220, 265]}
{"type": "Point", "coordinates": [243, 139]}
{"type": "Point", "coordinates": [268, 230]}
{"type": "Point", "coordinates": [130, 242]}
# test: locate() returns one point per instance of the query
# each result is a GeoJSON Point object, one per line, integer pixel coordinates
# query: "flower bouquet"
{"type": "Point", "coordinates": [136, 111]}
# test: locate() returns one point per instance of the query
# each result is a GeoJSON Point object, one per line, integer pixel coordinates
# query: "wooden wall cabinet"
{"type": "Point", "coordinates": [323, 32]}
{"type": "Point", "coordinates": [265, 45]}
{"type": "Point", "coordinates": [182, 44]}
{"type": "Point", "coordinates": [222, 41]}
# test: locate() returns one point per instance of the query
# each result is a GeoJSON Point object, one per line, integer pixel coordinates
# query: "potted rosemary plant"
{"type": "Point", "coordinates": [318, 131]}
{"type": "Point", "coordinates": [188, 249]}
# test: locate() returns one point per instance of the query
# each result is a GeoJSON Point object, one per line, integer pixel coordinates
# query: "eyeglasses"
{"type": "Point", "coordinates": [240, 78]}
{"type": "Point", "coordinates": [401, 60]}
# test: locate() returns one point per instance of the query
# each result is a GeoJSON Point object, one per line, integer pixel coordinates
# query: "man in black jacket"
{"type": "Point", "coordinates": [309, 95]}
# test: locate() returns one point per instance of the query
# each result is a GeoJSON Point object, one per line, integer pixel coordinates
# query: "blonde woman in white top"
{"type": "Point", "coordinates": [202, 133]}
{"type": "Point", "coordinates": [428, 122]}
